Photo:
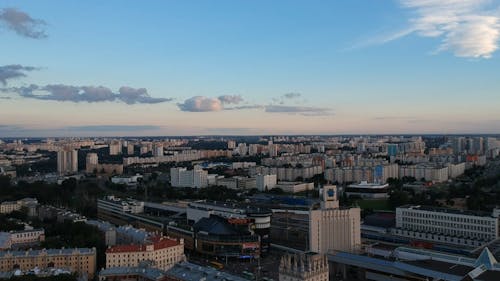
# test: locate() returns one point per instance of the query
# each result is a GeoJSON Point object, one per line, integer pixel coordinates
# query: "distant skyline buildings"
{"type": "Point", "coordinates": [249, 68]}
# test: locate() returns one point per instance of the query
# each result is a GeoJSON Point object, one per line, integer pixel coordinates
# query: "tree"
{"type": "Point", "coordinates": [69, 184]}
{"type": "Point", "coordinates": [398, 198]}
{"type": "Point", "coordinates": [4, 181]}
{"type": "Point", "coordinates": [276, 190]}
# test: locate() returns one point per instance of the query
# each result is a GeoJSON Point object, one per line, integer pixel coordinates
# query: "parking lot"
{"type": "Point", "coordinates": [269, 266]}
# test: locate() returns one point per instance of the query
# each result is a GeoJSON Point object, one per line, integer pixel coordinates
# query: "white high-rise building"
{"type": "Point", "coordinates": [200, 178]}
{"type": "Point", "coordinates": [115, 148]}
{"type": "Point", "coordinates": [273, 150]}
{"type": "Point", "coordinates": [91, 162]}
{"type": "Point", "coordinates": [174, 176]}
{"type": "Point", "coordinates": [158, 150]}
{"type": "Point", "coordinates": [92, 159]}
{"type": "Point", "coordinates": [242, 149]}
{"type": "Point", "coordinates": [231, 144]}
{"type": "Point", "coordinates": [181, 177]}
{"type": "Point", "coordinates": [130, 149]}
{"type": "Point", "coordinates": [144, 149]}
{"type": "Point", "coordinates": [67, 161]}
{"type": "Point", "coordinates": [253, 149]}
{"type": "Point", "coordinates": [265, 182]}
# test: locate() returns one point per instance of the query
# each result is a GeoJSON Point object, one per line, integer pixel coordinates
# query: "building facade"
{"type": "Point", "coordinates": [161, 252]}
{"type": "Point", "coordinates": [67, 161]}
{"type": "Point", "coordinates": [21, 238]}
{"type": "Point", "coordinates": [332, 228]}
{"type": "Point", "coordinates": [265, 182]}
{"type": "Point", "coordinates": [445, 225]}
{"type": "Point", "coordinates": [79, 260]}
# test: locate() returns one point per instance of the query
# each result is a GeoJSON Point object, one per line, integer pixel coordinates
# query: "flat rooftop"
{"type": "Point", "coordinates": [49, 252]}
{"type": "Point", "coordinates": [150, 273]}
{"type": "Point", "coordinates": [365, 184]}
{"type": "Point", "coordinates": [192, 272]}
{"type": "Point", "coordinates": [231, 207]}
{"type": "Point", "coordinates": [447, 210]}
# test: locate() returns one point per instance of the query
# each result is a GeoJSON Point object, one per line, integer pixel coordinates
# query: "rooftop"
{"type": "Point", "coordinates": [365, 184]}
{"type": "Point", "coordinates": [192, 272]}
{"type": "Point", "coordinates": [157, 243]}
{"type": "Point", "coordinates": [231, 207]}
{"type": "Point", "coordinates": [49, 252]}
{"type": "Point", "coordinates": [149, 273]}
{"type": "Point", "coordinates": [447, 210]}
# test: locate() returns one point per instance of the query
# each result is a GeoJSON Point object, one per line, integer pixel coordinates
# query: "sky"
{"type": "Point", "coordinates": [132, 68]}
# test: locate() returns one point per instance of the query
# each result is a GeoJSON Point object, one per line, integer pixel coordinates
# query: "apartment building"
{"type": "Point", "coordinates": [19, 238]}
{"type": "Point", "coordinates": [67, 161]}
{"type": "Point", "coordinates": [8, 207]}
{"type": "Point", "coordinates": [79, 260]}
{"type": "Point", "coordinates": [162, 252]}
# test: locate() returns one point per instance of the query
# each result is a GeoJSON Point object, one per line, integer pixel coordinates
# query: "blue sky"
{"type": "Point", "coordinates": [249, 67]}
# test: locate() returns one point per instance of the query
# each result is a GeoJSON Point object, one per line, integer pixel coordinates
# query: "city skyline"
{"type": "Point", "coordinates": [248, 68]}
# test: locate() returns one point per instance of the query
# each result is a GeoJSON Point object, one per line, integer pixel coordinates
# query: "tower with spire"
{"type": "Point", "coordinates": [306, 266]}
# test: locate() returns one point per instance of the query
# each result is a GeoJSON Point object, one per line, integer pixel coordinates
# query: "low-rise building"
{"type": "Point", "coordinates": [142, 273]}
{"type": "Point", "coordinates": [129, 181]}
{"type": "Point", "coordinates": [162, 252]}
{"type": "Point", "coordinates": [219, 237]}
{"type": "Point", "coordinates": [78, 260]}
{"type": "Point", "coordinates": [108, 231]}
{"type": "Point", "coordinates": [8, 207]}
{"type": "Point", "coordinates": [294, 187]}
{"type": "Point", "coordinates": [186, 271]}
{"type": "Point", "coordinates": [60, 214]}
{"type": "Point", "coordinates": [442, 225]}
{"type": "Point", "coordinates": [127, 234]}
{"type": "Point", "coordinates": [21, 238]}
{"type": "Point", "coordinates": [8, 171]}
{"type": "Point", "coordinates": [368, 190]}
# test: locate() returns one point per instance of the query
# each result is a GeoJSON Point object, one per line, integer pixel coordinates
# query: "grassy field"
{"type": "Point", "coordinates": [377, 204]}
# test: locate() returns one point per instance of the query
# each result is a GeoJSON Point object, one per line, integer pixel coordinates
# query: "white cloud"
{"type": "Point", "coordinates": [467, 28]}
{"type": "Point", "coordinates": [201, 104]}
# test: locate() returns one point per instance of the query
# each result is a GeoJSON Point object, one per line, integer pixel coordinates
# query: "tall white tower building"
{"type": "Point", "coordinates": [332, 228]}
{"type": "Point", "coordinates": [67, 161]}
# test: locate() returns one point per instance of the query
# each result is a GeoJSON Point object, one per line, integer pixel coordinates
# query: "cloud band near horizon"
{"type": "Point", "coordinates": [69, 93]}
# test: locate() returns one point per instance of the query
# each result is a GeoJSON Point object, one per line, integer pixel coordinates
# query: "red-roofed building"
{"type": "Point", "coordinates": [161, 252]}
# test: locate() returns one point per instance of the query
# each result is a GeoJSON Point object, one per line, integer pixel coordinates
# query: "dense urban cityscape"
{"type": "Point", "coordinates": [233, 140]}
{"type": "Point", "coordinates": [242, 207]}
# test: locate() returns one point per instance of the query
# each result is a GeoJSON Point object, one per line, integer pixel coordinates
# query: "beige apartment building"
{"type": "Point", "coordinates": [79, 260]}
{"type": "Point", "coordinates": [161, 252]}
